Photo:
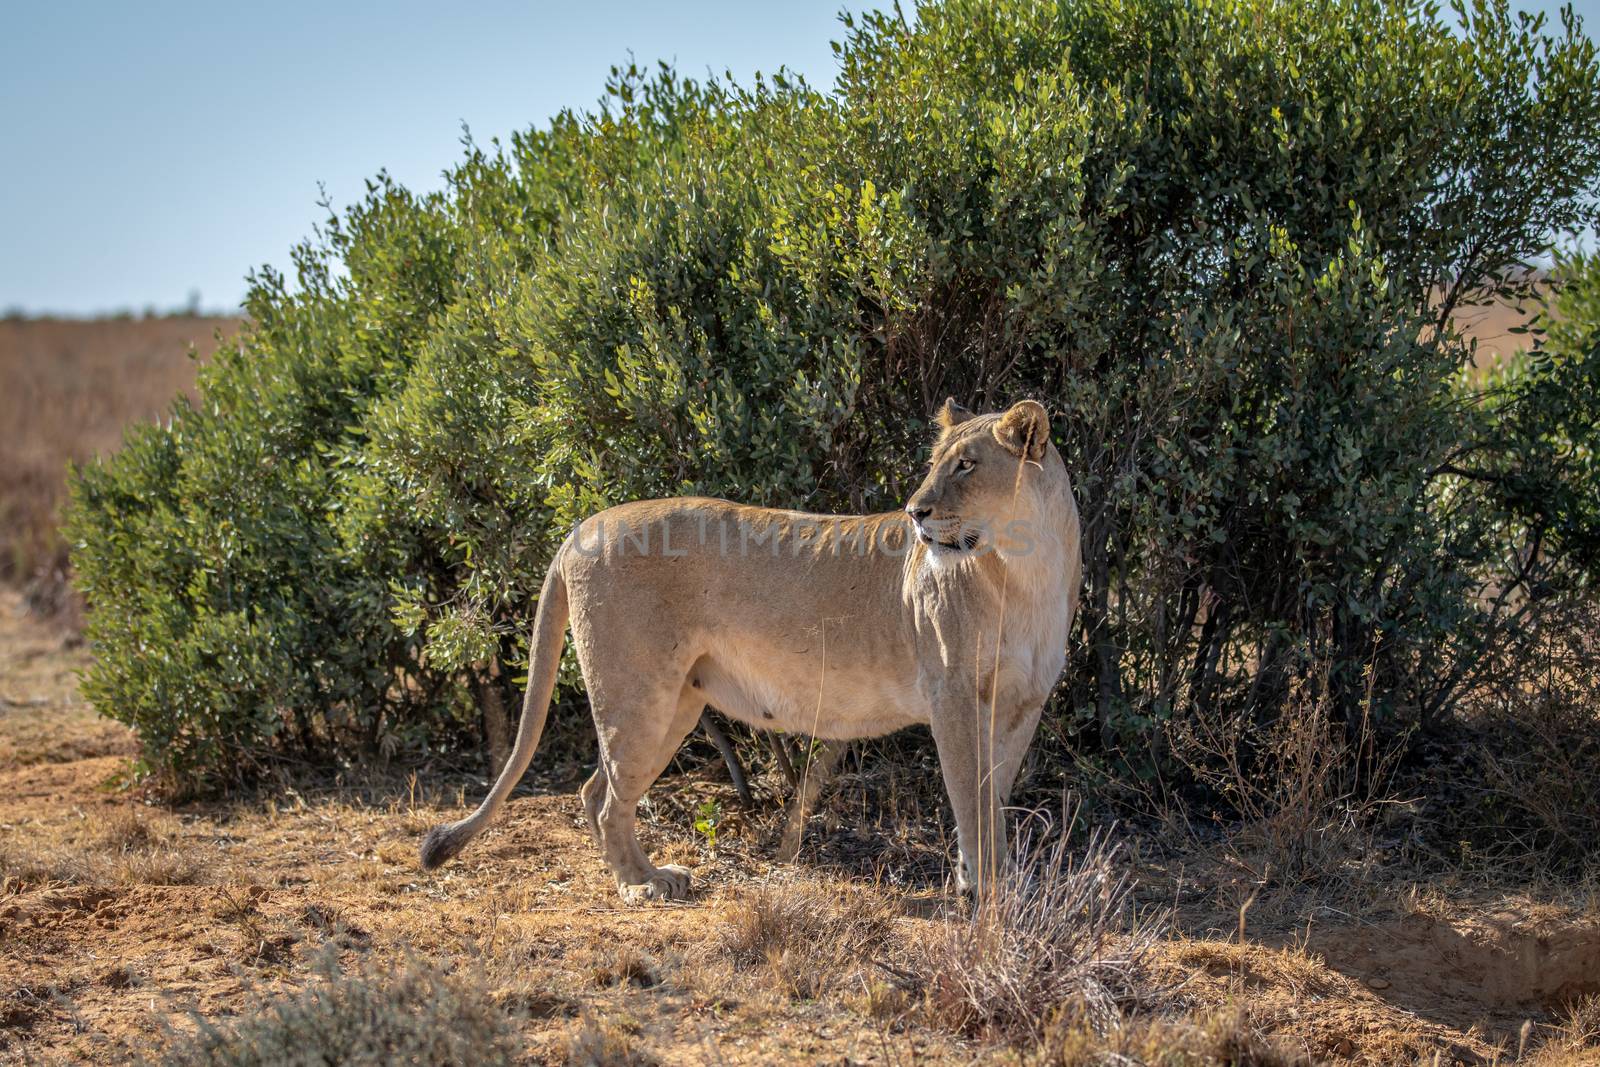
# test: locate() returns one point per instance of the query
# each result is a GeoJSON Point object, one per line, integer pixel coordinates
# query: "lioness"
{"type": "Point", "coordinates": [953, 613]}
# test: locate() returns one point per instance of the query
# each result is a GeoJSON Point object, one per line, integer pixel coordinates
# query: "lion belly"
{"type": "Point", "coordinates": [780, 690]}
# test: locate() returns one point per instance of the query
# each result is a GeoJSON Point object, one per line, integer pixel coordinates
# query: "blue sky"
{"type": "Point", "coordinates": [151, 149]}
{"type": "Point", "coordinates": [156, 149]}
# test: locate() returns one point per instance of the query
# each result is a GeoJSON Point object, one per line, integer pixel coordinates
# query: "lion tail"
{"type": "Point", "coordinates": [549, 630]}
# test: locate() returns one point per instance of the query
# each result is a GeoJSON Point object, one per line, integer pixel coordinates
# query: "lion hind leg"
{"type": "Point", "coordinates": [812, 781]}
{"type": "Point", "coordinates": [594, 798]}
{"type": "Point", "coordinates": [635, 748]}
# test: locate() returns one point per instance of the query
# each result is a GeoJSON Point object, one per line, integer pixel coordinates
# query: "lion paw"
{"type": "Point", "coordinates": [664, 883]}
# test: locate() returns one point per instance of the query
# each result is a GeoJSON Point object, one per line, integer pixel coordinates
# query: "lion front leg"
{"type": "Point", "coordinates": [980, 752]}
{"type": "Point", "coordinates": [962, 736]}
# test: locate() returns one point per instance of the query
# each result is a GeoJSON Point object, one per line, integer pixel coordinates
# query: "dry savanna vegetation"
{"type": "Point", "coordinates": [71, 385]}
{"type": "Point", "coordinates": [1318, 784]}
{"type": "Point", "coordinates": [1420, 925]}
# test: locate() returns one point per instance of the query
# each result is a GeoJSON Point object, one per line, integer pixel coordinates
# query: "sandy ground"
{"type": "Point", "coordinates": [119, 915]}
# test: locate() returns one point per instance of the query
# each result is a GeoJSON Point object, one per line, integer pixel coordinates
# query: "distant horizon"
{"type": "Point", "coordinates": [144, 314]}
{"type": "Point", "coordinates": [164, 153]}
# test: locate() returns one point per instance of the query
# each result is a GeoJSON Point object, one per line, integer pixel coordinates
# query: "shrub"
{"type": "Point", "coordinates": [1530, 472]}
{"type": "Point", "coordinates": [1539, 451]}
{"type": "Point", "coordinates": [1223, 242]}
{"type": "Point", "coordinates": [411, 1014]}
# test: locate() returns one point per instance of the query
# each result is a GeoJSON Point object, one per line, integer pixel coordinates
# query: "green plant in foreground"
{"type": "Point", "coordinates": [707, 817]}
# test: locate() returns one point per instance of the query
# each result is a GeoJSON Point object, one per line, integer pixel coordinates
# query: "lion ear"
{"type": "Point", "coordinates": [1024, 430]}
{"type": "Point", "coordinates": [951, 414]}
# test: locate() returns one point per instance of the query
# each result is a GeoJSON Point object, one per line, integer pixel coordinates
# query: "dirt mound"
{"type": "Point", "coordinates": [52, 906]}
{"type": "Point", "coordinates": [1490, 971]}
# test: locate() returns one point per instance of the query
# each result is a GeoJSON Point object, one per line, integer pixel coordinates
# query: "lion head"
{"type": "Point", "coordinates": [989, 477]}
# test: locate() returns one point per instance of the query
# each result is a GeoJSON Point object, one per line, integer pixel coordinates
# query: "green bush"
{"type": "Point", "coordinates": [1538, 449]}
{"type": "Point", "coordinates": [1222, 241]}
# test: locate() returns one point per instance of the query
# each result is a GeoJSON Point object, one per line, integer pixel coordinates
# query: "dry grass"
{"type": "Point", "coordinates": [410, 1013]}
{"type": "Point", "coordinates": [131, 847]}
{"type": "Point", "coordinates": [1060, 928]}
{"type": "Point", "coordinates": [806, 937]}
{"type": "Point", "coordinates": [1576, 1038]}
{"type": "Point", "coordinates": [1306, 786]}
{"type": "Point", "coordinates": [1540, 764]}
{"type": "Point", "coordinates": [41, 718]}
{"type": "Point", "coordinates": [1222, 1037]}
{"type": "Point", "coordinates": [803, 965]}
{"type": "Point", "coordinates": [32, 732]}
{"type": "Point", "coordinates": [71, 388]}
{"type": "Point", "coordinates": [1281, 968]}
{"type": "Point", "coordinates": [1536, 743]}
{"type": "Point", "coordinates": [596, 1041]}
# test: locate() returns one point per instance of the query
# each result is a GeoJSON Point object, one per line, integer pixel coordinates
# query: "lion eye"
{"type": "Point", "coordinates": [964, 465]}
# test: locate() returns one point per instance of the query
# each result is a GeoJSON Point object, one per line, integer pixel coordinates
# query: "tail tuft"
{"type": "Point", "coordinates": [442, 843]}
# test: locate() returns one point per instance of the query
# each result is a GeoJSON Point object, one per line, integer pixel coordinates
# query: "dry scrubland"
{"type": "Point", "coordinates": [1301, 937]}
{"type": "Point", "coordinates": [70, 387]}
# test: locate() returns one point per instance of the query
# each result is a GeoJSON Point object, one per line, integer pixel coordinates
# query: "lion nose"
{"type": "Point", "coordinates": [918, 512]}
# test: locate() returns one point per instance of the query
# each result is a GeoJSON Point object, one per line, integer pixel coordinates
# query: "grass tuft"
{"type": "Point", "coordinates": [1576, 1041]}
{"type": "Point", "coordinates": [812, 938]}
{"type": "Point", "coordinates": [1058, 929]}
{"type": "Point", "coordinates": [128, 848]}
{"type": "Point", "coordinates": [601, 1041]}
{"type": "Point", "coordinates": [408, 1013]}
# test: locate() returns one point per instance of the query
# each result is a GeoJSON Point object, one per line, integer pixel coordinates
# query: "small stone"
{"type": "Point", "coordinates": [1378, 983]}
